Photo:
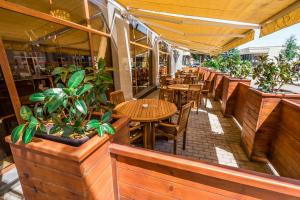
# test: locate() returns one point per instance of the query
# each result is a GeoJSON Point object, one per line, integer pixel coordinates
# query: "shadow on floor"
{"type": "Point", "coordinates": [212, 137]}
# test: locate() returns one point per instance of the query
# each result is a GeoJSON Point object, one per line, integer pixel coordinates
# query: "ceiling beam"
{"type": "Point", "coordinates": [202, 22]}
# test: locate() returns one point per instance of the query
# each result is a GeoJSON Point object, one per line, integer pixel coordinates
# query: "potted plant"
{"type": "Point", "coordinates": [222, 70]}
{"type": "Point", "coordinates": [61, 149]}
{"type": "Point", "coordinates": [238, 72]}
{"type": "Point", "coordinates": [262, 107]}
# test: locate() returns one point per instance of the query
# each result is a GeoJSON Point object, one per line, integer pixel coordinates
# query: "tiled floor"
{"type": "Point", "coordinates": [212, 137]}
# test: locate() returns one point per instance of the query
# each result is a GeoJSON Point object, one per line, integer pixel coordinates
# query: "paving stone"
{"type": "Point", "coordinates": [212, 137]}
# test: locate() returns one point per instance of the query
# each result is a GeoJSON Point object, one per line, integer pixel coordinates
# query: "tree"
{"type": "Point", "coordinates": [291, 48]}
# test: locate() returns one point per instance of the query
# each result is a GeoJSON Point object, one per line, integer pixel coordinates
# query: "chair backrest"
{"type": "Point", "coordinates": [163, 81]}
{"type": "Point", "coordinates": [178, 80]}
{"type": "Point", "coordinates": [194, 92]}
{"type": "Point", "coordinates": [167, 94]}
{"type": "Point", "coordinates": [117, 97]}
{"type": "Point", "coordinates": [207, 85]}
{"type": "Point", "coordinates": [187, 80]}
{"type": "Point", "coordinates": [184, 117]}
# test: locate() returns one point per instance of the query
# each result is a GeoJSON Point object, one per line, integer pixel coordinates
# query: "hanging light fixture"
{"type": "Point", "coordinates": [59, 13]}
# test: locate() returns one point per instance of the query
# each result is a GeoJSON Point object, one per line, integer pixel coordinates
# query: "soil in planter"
{"type": "Point", "coordinates": [76, 139]}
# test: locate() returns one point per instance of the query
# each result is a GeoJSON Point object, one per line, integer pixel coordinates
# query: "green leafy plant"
{"type": "Point", "coordinates": [217, 63]}
{"type": "Point", "coordinates": [270, 76]}
{"type": "Point", "coordinates": [291, 48]}
{"type": "Point", "coordinates": [241, 69]}
{"type": "Point", "coordinates": [66, 108]}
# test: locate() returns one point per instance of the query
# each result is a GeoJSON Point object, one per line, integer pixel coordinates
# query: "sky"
{"type": "Point", "coordinates": [276, 39]}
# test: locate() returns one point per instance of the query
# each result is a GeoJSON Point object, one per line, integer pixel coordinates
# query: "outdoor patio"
{"type": "Point", "coordinates": [149, 100]}
{"type": "Point", "coordinates": [212, 137]}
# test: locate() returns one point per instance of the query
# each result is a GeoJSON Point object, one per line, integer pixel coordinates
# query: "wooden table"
{"type": "Point", "coordinates": [181, 88]}
{"type": "Point", "coordinates": [157, 110]}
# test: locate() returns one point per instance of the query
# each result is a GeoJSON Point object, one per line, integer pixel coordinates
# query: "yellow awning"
{"type": "Point", "coordinates": [251, 11]}
{"type": "Point", "coordinates": [280, 23]}
{"type": "Point", "coordinates": [207, 31]}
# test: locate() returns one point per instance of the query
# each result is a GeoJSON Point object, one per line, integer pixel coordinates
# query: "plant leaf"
{"type": "Point", "coordinates": [92, 124]}
{"type": "Point", "coordinates": [54, 103]}
{"type": "Point", "coordinates": [81, 106]}
{"type": "Point", "coordinates": [33, 122]}
{"type": "Point", "coordinates": [101, 64]}
{"type": "Point", "coordinates": [100, 131]}
{"type": "Point", "coordinates": [67, 131]}
{"type": "Point", "coordinates": [83, 89]}
{"type": "Point", "coordinates": [38, 112]}
{"type": "Point", "coordinates": [89, 78]}
{"type": "Point", "coordinates": [37, 97]}
{"type": "Point", "coordinates": [16, 133]}
{"type": "Point", "coordinates": [25, 113]}
{"type": "Point", "coordinates": [106, 116]}
{"type": "Point", "coordinates": [109, 128]}
{"type": "Point", "coordinates": [60, 85]}
{"type": "Point", "coordinates": [28, 134]}
{"type": "Point", "coordinates": [58, 70]}
{"type": "Point", "coordinates": [54, 129]}
{"type": "Point", "coordinates": [53, 91]}
{"type": "Point", "coordinates": [43, 128]}
{"type": "Point", "coordinates": [76, 79]}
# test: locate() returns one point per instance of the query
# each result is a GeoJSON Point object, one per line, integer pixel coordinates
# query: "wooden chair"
{"type": "Point", "coordinates": [173, 131]}
{"type": "Point", "coordinates": [178, 81]}
{"type": "Point", "coordinates": [117, 97]}
{"type": "Point", "coordinates": [167, 94]}
{"type": "Point", "coordinates": [187, 80]}
{"type": "Point", "coordinates": [205, 91]}
{"type": "Point", "coordinates": [163, 82]}
{"type": "Point", "coordinates": [135, 128]}
{"type": "Point", "coordinates": [194, 95]}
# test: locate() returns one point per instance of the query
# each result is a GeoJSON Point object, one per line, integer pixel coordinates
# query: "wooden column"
{"type": "Point", "coordinates": [9, 80]}
{"type": "Point", "coordinates": [88, 22]}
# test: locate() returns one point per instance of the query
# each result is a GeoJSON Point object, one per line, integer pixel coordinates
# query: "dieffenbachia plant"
{"type": "Point", "coordinates": [66, 108]}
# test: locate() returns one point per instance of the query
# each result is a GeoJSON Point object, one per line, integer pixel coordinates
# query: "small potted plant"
{"type": "Point", "coordinates": [239, 71]}
{"type": "Point", "coordinates": [62, 145]}
{"type": "Point", "coordinates": [262, 106]}
{"type": "Point", "coordinates": [221, 71]}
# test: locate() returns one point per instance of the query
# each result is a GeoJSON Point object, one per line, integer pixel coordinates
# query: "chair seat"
{"type": "Point", "coordinates": [167, 130]}
{"type": "Point", "coordinates": [133, 124]}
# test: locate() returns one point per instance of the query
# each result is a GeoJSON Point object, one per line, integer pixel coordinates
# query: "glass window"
{"type": "Point", "coordinates": [141, 68]}
{"type": "Point", "coordinates": [164, 59]}
{"type": "Point", "coordinates": [34, 47]}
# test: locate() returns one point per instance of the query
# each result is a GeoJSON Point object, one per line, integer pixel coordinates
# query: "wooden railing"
{"type": "Point", "coordinates": [285, 149]}
{"type": "Point", "coordinates": [241, 98]}
{"type": "Point", "coordinates": [144, 174]}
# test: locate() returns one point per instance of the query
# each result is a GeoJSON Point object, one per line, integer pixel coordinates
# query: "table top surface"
{"type": "Point", "coordinates": [183, 87]}
{"type": "Point", "coordinates": [156, 110]}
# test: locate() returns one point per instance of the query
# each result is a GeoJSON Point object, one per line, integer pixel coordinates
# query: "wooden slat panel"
{"type": "Point", "coordinates": [172, 177]}
{"type": "Point", "coordinates": [285, 151]}
{"type": "Point", "coordinates": [241, 99]}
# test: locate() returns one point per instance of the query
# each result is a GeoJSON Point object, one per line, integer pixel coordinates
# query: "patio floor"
{"type": "Point", "coordinates": [212, 137]}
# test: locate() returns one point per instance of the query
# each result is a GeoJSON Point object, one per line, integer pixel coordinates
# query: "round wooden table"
{"type": "Point", "coordinates": [157, 110]}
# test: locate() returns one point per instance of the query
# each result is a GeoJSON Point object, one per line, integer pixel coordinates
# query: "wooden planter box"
{"type": "Point", "coordinates": [50, 170]}
{"type": "Point", "coordinates": [230, 86]}
{"type": "Point", "coordinates": [260, 121]}
{"type": "Point", "coordinates": [218, 86]}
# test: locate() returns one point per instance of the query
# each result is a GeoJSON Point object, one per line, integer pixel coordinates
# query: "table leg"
{"type": "Point", "coordinates": [148, 136]}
